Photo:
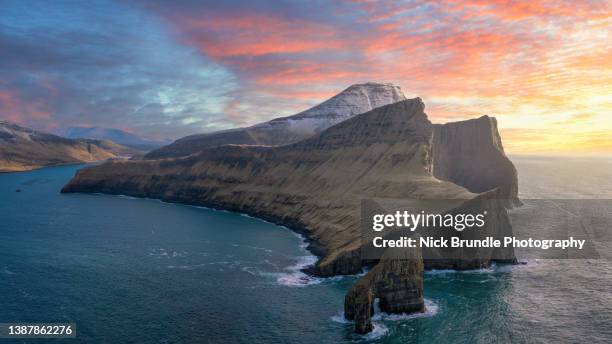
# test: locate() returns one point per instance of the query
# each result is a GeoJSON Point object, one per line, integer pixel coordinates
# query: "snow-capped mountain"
{"type": "Point", "coordinates": [354, 100]}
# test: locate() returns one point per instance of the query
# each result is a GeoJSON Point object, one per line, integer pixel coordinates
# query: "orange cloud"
{"type": "Point", "coordinates": [527, 62]}
{"type": "Point", "coordinates": [542, 10]}
{"type": "Point", "coordinates": [255, 34]}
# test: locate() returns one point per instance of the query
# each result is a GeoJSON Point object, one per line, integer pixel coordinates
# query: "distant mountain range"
{"type": "Point", "coordinates": [354, 100]}
{"type": "Point", "coordinates": [23, 149]}
{"type": "Point", "coordinates": [116, 135]}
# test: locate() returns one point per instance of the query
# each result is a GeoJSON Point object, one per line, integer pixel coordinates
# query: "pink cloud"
{"type": "Point", "coordinates": [16, 109]}
{"type": "Point", "coordinates": [254, 34]}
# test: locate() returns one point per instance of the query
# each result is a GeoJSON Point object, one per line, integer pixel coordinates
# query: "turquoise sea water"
{"type": "Point", "coordinates": [142, 271]}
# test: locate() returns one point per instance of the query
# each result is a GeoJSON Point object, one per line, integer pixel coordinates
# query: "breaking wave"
{"type": "Point", "coordinates": [379, 331]}
{"type": "Point", "coordinates": [294, 277]}
{"type": "Point", "coordinates": [431, 309]}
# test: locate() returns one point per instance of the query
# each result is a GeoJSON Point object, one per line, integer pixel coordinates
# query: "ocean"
{"type": "Point", "coordinates": [129, 270]}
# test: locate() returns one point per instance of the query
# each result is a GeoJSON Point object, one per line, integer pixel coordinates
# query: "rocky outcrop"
{"type": "Point", "coordinates": [470, 153]}
{"type": "Point", "coordinates": [356, 99]}
{"type": "Point", "coordinates": [313, 186]}
{"type": "Point", "coordinates": [397, 281]}
{"type": "Point", "coordinates": [397, 278]}
{"type": "Point", "coordinates": [23, 149]}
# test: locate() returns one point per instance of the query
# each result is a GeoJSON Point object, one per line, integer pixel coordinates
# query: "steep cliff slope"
{"type": "Point", "coordinates": [354, 100]}
{"type": "Point", "coordinates": [314, 186]}
{"type": "Point", "coordinates": [470, 153]}
{"type": "Point", "coordinates": [24, 149]}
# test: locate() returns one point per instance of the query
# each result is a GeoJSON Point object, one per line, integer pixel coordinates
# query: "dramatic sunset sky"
{"type": "Point", "coordinates": [164, 69]}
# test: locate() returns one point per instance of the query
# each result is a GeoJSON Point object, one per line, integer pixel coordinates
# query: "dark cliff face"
{"type": "Point", "coordinates": [313, 186]}
{"type": "Point", "coordinates": [470, 153]}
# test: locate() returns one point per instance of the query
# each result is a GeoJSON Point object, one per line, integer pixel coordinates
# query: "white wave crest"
{"type": "Point", "coordinates": [339, 318]}
{"type": "Point", "coordinates": [494, 268]}
{"type": "Point", "coordinates": [295, 277]}
{"type": "Point", "coordinates": [379, 331]}
{"type": "Point", "coordinates": [431, 309]}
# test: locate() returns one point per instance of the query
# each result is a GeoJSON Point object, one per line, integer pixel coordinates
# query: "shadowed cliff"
{"type": "Point", "coordinates": [470, 153]}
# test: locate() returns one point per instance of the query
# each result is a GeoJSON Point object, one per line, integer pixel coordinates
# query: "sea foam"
{"type": "Point", "coordinates": [379, 318]}
{"type": "Point", "coordinates": [295, 277]}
